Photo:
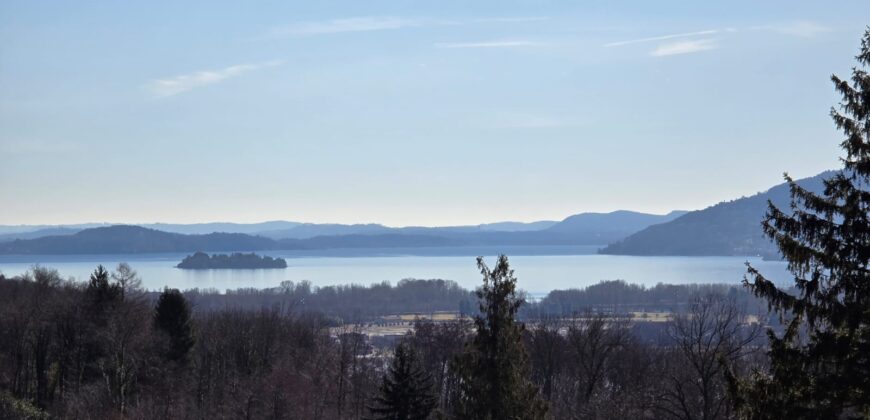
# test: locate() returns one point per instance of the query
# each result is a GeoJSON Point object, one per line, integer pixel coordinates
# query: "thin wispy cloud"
{"type": "Point", "coordinates": [516, 19]}
{"type": "Point", "coordinates": [172, 86]}
{"type": "Point", "coordinates": [355, 24]}
{"type": "Point", "coordinates": [800, 28]}
{"type": "Point", "coordinates": [684, 47]}
{"type": "Point", "coordinates": [664, 37]}
{"type": "Point", "coordinates": [381, 23]}
{"type": "Point", "coordinates": [487, 44]}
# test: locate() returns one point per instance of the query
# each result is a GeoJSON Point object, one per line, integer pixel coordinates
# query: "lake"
{"type": "Point", "coordinates": [538, 269]}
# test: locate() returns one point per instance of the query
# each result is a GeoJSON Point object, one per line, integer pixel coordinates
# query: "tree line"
{"type": "Point", "coordinates": [353, 303]}
{"type": "Point", "coordinates": [107, 349]}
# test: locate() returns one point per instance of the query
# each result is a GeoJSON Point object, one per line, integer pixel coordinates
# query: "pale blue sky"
{"type": "Point", "coordinates": [410, 113]}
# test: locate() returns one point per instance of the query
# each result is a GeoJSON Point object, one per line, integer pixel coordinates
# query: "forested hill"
{"type": "Point", "coordinates": [727, 228]}
{"type": "Point", "coordinates": [617, 224]}
{"type": "Point", "coordinates": [124, 239]}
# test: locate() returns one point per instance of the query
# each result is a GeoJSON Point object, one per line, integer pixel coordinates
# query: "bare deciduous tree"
{"type": "Point", "coordinates": [712, 331]}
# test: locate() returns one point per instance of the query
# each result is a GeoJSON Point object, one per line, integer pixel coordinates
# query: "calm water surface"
{"type": "Point", "coordinates": [539, 269]}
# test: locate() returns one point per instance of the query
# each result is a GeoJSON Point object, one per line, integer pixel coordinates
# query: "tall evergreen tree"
{"type": "Point", "coordinates": [406, 391]}
{"type": "Point", "coordinates": [103, 296]}
{"type": "Point", "coordinates": [100, 290]}
{"type": "Point", "coordinates": [820, 366]}
{"type": "Point", "coordinates": [172, 316]}
{"type": "Point", "coordinates": [493, 369]}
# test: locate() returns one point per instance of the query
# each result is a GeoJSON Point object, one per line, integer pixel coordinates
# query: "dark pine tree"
{"type": "Point", "coordinates": [406, 391]}
{"type": "Point", "coordinates": [172, 317]}
{"type": "Point", "coordinates": [102, 295]}
{"type": "Point", "coordinates": [100, 290]}
{"type": "Point", "coordinates": [820, 365]}
{"type": "Point", "coordinates": [493, 369]}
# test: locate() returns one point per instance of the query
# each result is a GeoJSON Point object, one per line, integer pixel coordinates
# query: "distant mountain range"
{"type": "Point", "coordinates": [311, 230]}
{"type": "Point", "coordinates": [582, 229]}
{"type": "Point", "coordinates": [273, 229]}
{"type": "Point", "coordinates": [38, 233]}
{"type": "Point", "coordinates": [133, 240]}
{"type": "Point", "coordinates": [12, 232]}
{"type": "Point", "coordinates": [204, 228]}
{"type": "Point", "coordinates": [610, 225]}
{"type": "Point", "coordinates": [727, 228]}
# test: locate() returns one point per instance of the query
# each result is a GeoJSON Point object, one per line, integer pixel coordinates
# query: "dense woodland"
{"type": "Point", "coordinates": [105, 349]}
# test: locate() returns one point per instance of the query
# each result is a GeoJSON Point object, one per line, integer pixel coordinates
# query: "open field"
{"type": "Point", "coordinates": [401, 324]}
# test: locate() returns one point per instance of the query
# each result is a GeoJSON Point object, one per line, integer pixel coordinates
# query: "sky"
{"type": "Point", "coordinates": [410, 112]}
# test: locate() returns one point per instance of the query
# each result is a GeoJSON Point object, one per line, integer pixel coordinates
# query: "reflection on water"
{"type": "Point", "coordinates": [539, 269]}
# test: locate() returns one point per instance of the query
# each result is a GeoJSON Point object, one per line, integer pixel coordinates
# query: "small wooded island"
{"type": "Point", "coordinates": [203, 261]}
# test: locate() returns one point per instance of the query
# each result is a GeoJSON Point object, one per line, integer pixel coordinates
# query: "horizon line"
{"type": "Point", "coordinates": [104, 224]}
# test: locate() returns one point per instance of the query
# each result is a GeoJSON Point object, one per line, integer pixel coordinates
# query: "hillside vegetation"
{"type": "Point", "coordinates": [727, 228]}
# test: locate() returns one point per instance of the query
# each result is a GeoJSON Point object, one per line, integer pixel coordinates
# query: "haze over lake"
{"type": "Point", "coordinates": [539, 269]}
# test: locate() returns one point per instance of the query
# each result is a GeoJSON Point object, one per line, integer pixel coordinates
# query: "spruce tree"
{"type": "Point", "coordinates": [100, 291]}
{"type": "Point", "coordinates": [820, 365]}
{"type": "Point", "coordinates": [406, 391]}
{"type": "Point", "coordinates": [493, 369]}
{"type": "Point", "coordinates": [102, 297]}
{"type": "Point", "coordinates": [172, 317]}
